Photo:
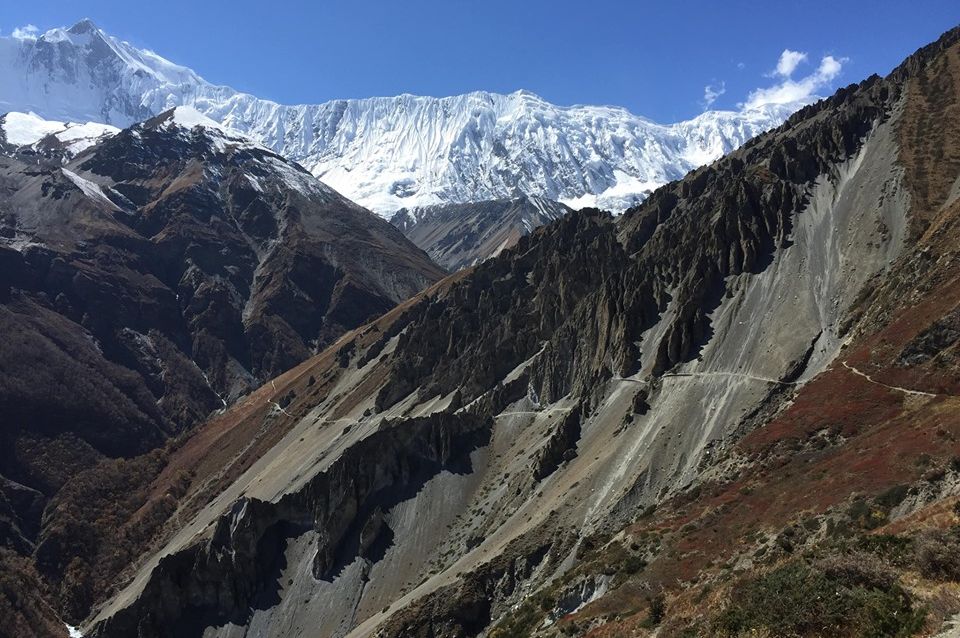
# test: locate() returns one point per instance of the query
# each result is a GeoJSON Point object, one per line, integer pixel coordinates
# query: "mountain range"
{"type": "Point", "coordinates": [236, 403]}
{"type": "Point", "coordinates": [386, 153]}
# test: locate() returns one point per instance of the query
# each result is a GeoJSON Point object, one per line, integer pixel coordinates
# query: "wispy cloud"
{"type": "Point", "coordinates": [26, 32]}
{"type": "Point", "coordinates": [790, 90]}
{"type": "Point", "coordinates": [789, 61]}
{"type": "Point", "coordinates": [711, 92]}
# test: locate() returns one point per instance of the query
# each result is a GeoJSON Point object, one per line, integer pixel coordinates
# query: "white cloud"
{"type": "Point", "coordinates": [711, 92]}
{"type": "Point", "coordinates": [803, 90]}
{"type": "Point", "coordinates": [789, 61]}
{"type": "Point", "coordinates": [26, 32]}
{"type": "Point", "coordinates": [741, 65]}
{"type": "Point", "coordinates": [830, 66]}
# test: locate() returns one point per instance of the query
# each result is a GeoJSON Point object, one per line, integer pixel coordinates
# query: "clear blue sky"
{"type": "Point", "coordinates": [655, 58]}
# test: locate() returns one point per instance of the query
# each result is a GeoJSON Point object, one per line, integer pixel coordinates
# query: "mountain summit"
{"type": "Point", "coordinates": [386, 153]}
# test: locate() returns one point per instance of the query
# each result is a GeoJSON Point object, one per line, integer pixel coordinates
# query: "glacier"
{"type": "Point", "coordinates": [386, 153]}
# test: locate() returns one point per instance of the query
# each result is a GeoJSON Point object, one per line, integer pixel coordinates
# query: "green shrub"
{"type": "Point", "coordinates": [801, 600]}
{"type": "Point", "coordinates": [658, 608]}
{"type": "Point", "coordinates": [633, 564]}
{"type": "Point", "coordinates": [938, 555]}
{"type": "Point", "coordinates": [896, 549]}
{"type": "Point", "coordinates": [893, 496]}
{"type": "Point", "coordinates": [520, 623]}
{"type": "Point", "coordinates": [864, 516]}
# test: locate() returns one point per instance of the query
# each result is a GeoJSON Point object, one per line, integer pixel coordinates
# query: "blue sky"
{"type": "Point", "coordinates": [655, 58]}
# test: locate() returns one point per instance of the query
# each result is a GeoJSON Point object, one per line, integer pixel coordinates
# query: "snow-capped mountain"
{"type": "Point", "coordinates": [392, 152]}
{"type": "Point", "coordinates": [67, 139]}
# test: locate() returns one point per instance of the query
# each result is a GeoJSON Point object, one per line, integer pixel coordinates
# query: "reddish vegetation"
{"type": "Point", "coordinates": [816, 408]}
{"type": "Point", "coordinates": [842, 436]}
{"type": "Point", "coordinates": [878, 355]}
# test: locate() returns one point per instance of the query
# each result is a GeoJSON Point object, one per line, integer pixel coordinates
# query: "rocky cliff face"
{"type": "Point", "coordinates": [343, 506]}
{"type": "Point", "coordinates": [153, 279]}
{"type": "Point", "coordinates": [461, 235]}
{"type": "Point", "coordinates": [759, 358]}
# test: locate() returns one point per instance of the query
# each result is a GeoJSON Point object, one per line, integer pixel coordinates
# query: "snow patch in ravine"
{"type": "Point", "coordinates": [90, 189]}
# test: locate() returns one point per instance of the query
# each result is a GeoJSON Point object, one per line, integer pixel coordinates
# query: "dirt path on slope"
{"type": "Point", "coordinates": [882, 384]}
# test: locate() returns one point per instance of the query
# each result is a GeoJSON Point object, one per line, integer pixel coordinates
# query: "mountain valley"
{"type": "Point", "coordinates": [723, 402]}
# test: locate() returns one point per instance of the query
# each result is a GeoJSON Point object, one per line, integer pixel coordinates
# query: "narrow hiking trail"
{"type": "Point", "coordinates": [742, 375]}
{"type": "Point", "coordinates": [890, 387]}
{"type": "Point", "coordinates": [523, 412]}
{"type": "Point", "coordinates": [716, 373]}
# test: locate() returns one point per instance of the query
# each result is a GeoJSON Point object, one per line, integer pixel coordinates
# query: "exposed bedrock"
{"type": "Point", "coordinates": [222, 579]}
{"type": "Point", "coordinates": [561, 445]}
{"type": "Point", "coordinates": [458, 236]}
{"type": "Point", "coordinates": [466, 608]}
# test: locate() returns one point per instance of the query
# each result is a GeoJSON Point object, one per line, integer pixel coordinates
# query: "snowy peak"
{"type": "Point", "coordinates": [83, 34]}
{"type": "Point", "coordinates": [85, 25]}
{"type": "Point", "coordinates": [83, 74]}
{"type": "Point", "coordinates": [22, 129]}
{"type": "Point", "coordinates": [188, 119]}
{"type": "Point", "coordinates": [410, 152]}
{"type": "Point", "coordinates": [64, 140]}
{"type": "Point", "coordinates": [386, 153]}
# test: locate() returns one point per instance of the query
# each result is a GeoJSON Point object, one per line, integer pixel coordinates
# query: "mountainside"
{"type": "Point", "coordinates": [731, 411]}
{"type": "Point", "coordinates": [386, 153]}
{"type": "Point", "coordinates": [151, 280]}
{"type": "Point", "coordinates": [461, 235]}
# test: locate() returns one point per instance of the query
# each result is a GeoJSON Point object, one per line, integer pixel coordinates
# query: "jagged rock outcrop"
{"type": "Point", "coordinates": [559, 447]}
{"type": "Point", "coordinates": [222, 579]}
{"type": "Point", "coordinates": [595, 286]}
